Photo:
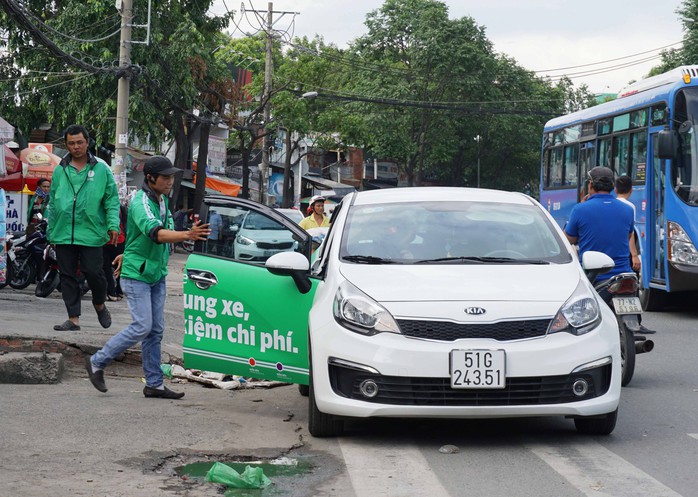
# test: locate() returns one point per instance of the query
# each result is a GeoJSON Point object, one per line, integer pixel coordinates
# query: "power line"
{"type": "Point", "coordinates": [611, 60]}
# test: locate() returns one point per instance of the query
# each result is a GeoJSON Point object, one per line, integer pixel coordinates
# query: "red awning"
{"type": "Point", "coordinates": [12, 162]}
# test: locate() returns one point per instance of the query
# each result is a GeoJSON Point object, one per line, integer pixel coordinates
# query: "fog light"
{"type": "Point", "coordinates": [368, 388]}
{"type": "Point", "coordinates": [580, 387]}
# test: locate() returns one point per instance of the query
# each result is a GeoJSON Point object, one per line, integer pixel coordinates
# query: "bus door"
{"type": "Point", "coordinates": [587, 155]}
{"type": "Point", "coordinates": [654, 230]}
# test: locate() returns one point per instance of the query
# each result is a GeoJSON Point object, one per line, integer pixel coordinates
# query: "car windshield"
{"type": "Point", "coordinates": [255, 221]}
{"type": "Point", "coordinates": [451, 233]}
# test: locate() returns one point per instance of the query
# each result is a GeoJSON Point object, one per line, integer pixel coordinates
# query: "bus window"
{"type": "Point", "coordinates": [660, 115]}
{"type": "Point", "coordinates": [638, 119]}
{"type": "Point", "coordinates": [620, 158]}
{"type": "Point", "coordinates": [571, 168]}
{"type": "Point", "coordinates": [604, 126]}
{"type": "Point", "coordinates": [604, 153]}
{"type": "Point", "coordinates": [621, 123]}
{"type": "Point", "coordinates": [638, 156]}
{"type": "Point", "coordinates": [555, 176]}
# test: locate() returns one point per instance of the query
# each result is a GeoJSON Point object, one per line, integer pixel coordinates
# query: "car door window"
{"type": "Point", "coordinates": [247, 235]}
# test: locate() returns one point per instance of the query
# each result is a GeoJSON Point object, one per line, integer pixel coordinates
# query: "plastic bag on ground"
{"type": "Point", "coordinates": [250, 478]}
{"type": "Point", "coordinates": [166, 370]}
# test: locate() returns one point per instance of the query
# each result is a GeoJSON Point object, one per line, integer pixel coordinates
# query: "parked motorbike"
{"type": "Point", "coordinates": [621, 293]}
{"type": "Point", "coordinates": [49, 277]}
{"type": "Point", "coordinates": [23, 256]}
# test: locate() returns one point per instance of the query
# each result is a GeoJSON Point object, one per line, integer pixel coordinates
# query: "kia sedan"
{"type": "Point", "coordinates": [420, 302]}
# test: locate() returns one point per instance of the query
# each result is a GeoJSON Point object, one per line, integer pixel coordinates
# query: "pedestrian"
{"type": "Point", "coordinates": [38, 204]}
{"type": "Point", "coordinates": [215, 238]}
{"type": "Point", "coordinates": [624, 188]}
{"type": "Point", "coordinates": [83, 214]}
{"type": "Point", "coordinates": [143, 268]}
{"type": "Point", "coordinates": [317, 218]}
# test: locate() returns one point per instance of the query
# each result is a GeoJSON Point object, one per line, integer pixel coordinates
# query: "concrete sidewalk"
{"type": "Point", "coordinates": [26, 321]}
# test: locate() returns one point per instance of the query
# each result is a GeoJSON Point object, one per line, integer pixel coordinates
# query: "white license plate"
{"type": "Point", "coordinates": [627, 305]}
{"type": "Point", "coordinates": [478, 369]}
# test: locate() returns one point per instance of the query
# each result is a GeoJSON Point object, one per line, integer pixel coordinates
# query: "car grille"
{"type": "Point", "coordinates": [395, 390]}
{"type": "Point", "coordinates": [275, 246]}
{"type": "Point", "coordinates": [447, 331]}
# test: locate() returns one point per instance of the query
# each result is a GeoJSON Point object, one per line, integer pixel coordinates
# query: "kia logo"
{"type": "Point", "coordinates": [475, 310]}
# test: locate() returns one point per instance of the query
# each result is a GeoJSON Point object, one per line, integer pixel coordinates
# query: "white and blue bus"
{"type": "Point", "coordinates": [650, 133]}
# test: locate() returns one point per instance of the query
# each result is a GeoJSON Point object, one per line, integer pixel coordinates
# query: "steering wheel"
{"type": "Point", "coordinates": [512, 254]}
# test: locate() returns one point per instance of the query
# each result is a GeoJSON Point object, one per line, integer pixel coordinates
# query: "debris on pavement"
{"type": "Point", "coordinates": [219, 380]}
{"type": "Point", "coordinates": [250, 478]}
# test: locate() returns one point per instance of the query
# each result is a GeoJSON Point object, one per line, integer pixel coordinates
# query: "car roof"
{"type": "Point", "coordinates": [439, 194]}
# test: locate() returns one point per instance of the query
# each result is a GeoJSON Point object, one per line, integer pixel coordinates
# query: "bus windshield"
{"type": "Point", "coordinates": [685, 174]}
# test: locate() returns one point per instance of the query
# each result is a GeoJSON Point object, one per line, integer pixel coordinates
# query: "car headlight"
{"type": "Point", "coordinates": [681, 249]}
{"type": "Point", "coordinates": [358, 312]}
{"type": "Point", "coordinates": [243, 240]}
{"type": "Point", "coordinates": [579, 315]}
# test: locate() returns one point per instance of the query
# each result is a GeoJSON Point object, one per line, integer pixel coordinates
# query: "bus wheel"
{"type": "Point", "coordinates": [652, 299]}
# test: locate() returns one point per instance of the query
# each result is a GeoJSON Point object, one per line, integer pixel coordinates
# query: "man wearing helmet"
{"type": "Point", "coordinates": [317, 218]}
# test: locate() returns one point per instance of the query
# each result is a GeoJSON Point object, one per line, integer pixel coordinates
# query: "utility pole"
{"type": "Point", "coordinates": [266, 94]}
{"type": "Point", "coordinates": [122, 98]}
{"type": "Point", "coordinates": [264, 169]}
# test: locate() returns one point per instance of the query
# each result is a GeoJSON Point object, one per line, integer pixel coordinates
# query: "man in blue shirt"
{"type": "Point", "coordinates": [604, 224]}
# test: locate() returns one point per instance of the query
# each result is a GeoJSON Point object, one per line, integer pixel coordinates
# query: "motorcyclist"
{"type": "Point", "coordinates": [604, 224]}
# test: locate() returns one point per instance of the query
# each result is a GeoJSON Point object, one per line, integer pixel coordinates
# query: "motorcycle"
{"type": "Point", "coordinates": [621, 293]}
{"type": "Point", "coordinates": [23, 254]}
{"type": "Point", "coordinates": [49, 277]}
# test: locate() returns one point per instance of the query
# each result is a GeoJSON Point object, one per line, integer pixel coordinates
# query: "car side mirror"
{"type": "Point", "coordinates": [667, 144]}
{"type": "Point", "coordinates": [291, 264]}
{"type": "Point", "coordinates": [596, 263]}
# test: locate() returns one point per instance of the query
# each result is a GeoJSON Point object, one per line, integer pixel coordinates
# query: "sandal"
{"type": "Point", "coordinates": [67, 326]}
{"type": "Point", "coordinates": [113, 298]}
{"type": "Point", "coordinates": [104, 317]}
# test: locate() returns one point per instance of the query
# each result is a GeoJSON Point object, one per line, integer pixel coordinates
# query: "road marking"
{"type": "Point", "coordinates": [394, 471]}
{"type": "Point", "coordinates": [596, 471]}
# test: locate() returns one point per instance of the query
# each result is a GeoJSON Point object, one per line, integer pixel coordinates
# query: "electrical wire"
{"type": "Point", "coordinates": [611, 60]}
{"type": "Point", "coordinates": [34, 90]}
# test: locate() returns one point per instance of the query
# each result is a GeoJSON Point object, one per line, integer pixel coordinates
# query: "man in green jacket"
{"type": "Point", "coordinates": [83, 215]}
{"type": "Point", "coordinates": [143, 267]}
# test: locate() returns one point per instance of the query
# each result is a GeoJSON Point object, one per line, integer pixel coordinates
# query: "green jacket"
{"type": "Point", "coordinates": [82, 206]}
{"type": "Point", "coordinates": [145, 259]}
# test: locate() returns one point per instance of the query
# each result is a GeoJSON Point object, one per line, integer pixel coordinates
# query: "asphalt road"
{"type": "Point", "coordinates": [69, 439]}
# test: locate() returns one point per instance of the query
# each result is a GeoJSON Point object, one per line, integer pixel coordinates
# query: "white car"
{"type": "Point", "coordinates": [259, 237]}
{"type": "Point", "coordinates": [420, 302]}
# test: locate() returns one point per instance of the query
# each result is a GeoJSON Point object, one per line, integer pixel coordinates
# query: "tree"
{"type": "Point", "coordinates": [688, 53]}
{"type": "Point", "coordinates": [170, 77]}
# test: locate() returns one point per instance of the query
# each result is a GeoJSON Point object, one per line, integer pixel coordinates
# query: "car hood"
{"type": "Point", "coordinates": [269, 236]}
{"type": "Point", "coordinates": [506, 282]}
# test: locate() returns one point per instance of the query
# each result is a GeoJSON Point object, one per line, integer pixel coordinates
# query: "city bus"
{"type": "Point", "coordinates": [648, 133]}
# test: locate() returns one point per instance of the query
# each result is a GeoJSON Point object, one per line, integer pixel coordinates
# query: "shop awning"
{"type": "Point", "coordinates": [7, 131]}
{"type": "Point", "coordinates": [328, 184]}
{"type": "Point", "coordinates": [216, 184]}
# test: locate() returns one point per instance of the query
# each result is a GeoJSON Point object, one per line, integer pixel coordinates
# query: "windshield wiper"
{"type": "Point", "coordinates": [368, 259]}
{"type": "Point", "coordinates": [482, 260]}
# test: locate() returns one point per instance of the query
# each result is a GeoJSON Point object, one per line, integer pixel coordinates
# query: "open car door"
{"type": "Point", "coordinates": [239, 317]}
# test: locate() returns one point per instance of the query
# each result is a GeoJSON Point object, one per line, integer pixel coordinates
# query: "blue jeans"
{"type": "Point", "coordinates": [147, 305]}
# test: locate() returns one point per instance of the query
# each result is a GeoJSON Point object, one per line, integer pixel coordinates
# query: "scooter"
{"type": "Point", "coordinates": [23, 254]}
{"type": "Point", "coordinates": [621, 293]}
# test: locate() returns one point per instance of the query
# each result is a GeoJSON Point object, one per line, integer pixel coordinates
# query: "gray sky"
{"type": "Point", "coordinates": [540, 34]}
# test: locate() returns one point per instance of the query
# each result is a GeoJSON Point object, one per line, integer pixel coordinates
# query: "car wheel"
{"type": "Point", "coordinates": [627, 353]}
{"type": "Point", "coordinates": [320, 425]}
{"type": "Point", "coordinates": [304, 390]}
{"type": "Point", "coordinates": [597, 425]}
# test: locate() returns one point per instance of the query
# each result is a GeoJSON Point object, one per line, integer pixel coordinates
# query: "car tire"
{"type": "Point", "coordinates": [597, 425]}
{"type": "Point", "coordinates": [304, 390]}
{"type": "Point", "coordinates": [627, 353]}
{"type": "Point", "coordinates": [320, 425]}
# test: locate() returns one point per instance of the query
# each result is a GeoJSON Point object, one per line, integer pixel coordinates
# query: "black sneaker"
{"type": "Point", "coordinates": [165, 393]}
{"type": "Point", "coordinates": [97, 377]}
